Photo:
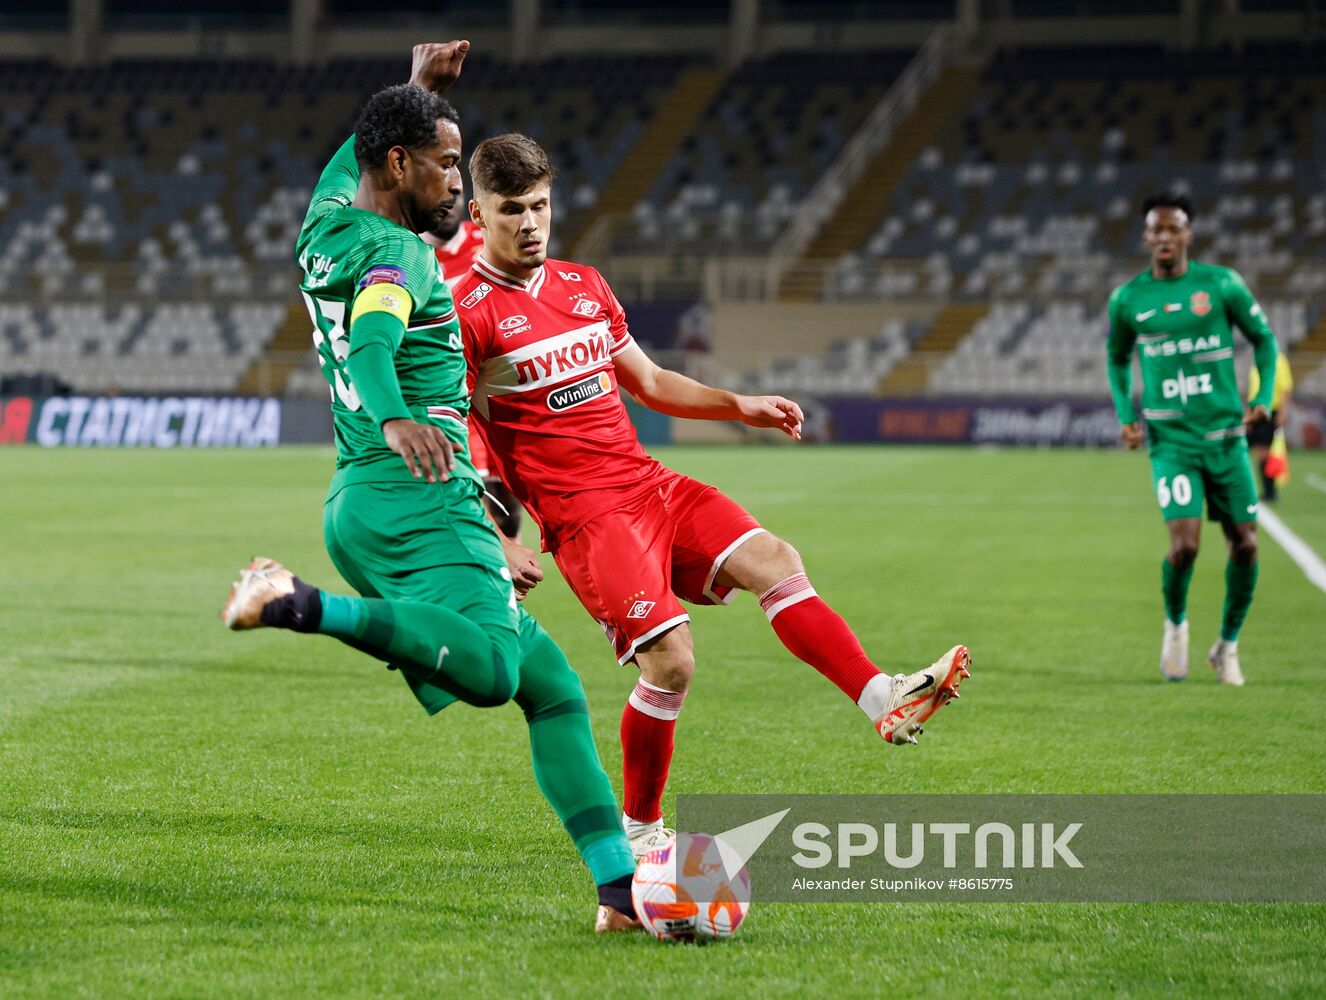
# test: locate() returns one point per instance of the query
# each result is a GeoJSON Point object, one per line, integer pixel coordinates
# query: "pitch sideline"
{"type": "Point", "coordinates": [1297, 549]}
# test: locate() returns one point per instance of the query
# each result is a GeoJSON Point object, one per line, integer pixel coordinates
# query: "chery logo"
{"type": "Point", "coordinates": [511, 322]}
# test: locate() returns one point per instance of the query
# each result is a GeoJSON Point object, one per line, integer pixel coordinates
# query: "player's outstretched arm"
{"type": "Point", "coordinates": [336, 186]}
{"type": "Point", "coordinates": [436, 66]}
{"type": "Point", "coordinates": [678, 396]}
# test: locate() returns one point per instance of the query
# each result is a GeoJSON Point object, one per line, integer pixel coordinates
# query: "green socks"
{"type": "Point", "coordinates": [443, 648]}
{"type": "Point", "coordinates": [1174, 585]}
{"type": "Point", "coordinates": [1240, 582]}
{"type": "Point", "coordinates": [566, 762]}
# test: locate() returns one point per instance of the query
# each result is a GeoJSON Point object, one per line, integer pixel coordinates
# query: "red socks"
{"type": "Point", "coordinates": [810, 629]}
{"type": "Point", "coordinates": [648, 722]}
{"type": "Point", "coordinates": [813, 632]}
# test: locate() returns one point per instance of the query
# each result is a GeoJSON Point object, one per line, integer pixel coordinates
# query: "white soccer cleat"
{"type": "Point", "coordinates": [1174, 651]}
{"type": "Point", "coordinates": [262, 581]}
{"type": "Point", "coordinates": [916, 697]}
{"type": "Point", "coordinates": [650, 837]}
{"type": "Point", "coordinates": [1224, 660]}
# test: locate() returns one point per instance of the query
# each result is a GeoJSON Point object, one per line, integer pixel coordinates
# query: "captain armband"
{"type": "Point", "coordinates": [379, 293]}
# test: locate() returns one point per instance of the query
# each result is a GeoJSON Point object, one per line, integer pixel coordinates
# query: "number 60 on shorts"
{"type": "Point", "coordinates": [1179, 490]}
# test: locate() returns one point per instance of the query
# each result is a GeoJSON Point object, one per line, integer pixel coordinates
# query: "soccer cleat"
{"type": "Point", "coordinates": [1224, 660]}
{"type": "Point", "coordinates": [1174, 651]}
{"type": "Point", "coordinates": [610, 921]}
{"type": "Point", "coordinates": [649, 838]}
{"type": "Point", "coordinates": [916, 697]}
{"type": "Point", "coordinates": [261, 582]}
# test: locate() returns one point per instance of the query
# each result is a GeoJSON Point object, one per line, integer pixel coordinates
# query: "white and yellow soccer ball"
{"type": "Point", "coordinates": [682, 890]}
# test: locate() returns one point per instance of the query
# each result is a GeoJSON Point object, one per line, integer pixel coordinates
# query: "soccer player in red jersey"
{"type": "Point", "coordinates": [457, 241]}
{"type": "Point", "coordinates": [547, 346]}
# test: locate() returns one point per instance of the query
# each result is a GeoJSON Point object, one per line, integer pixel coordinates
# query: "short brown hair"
{"type": "Point", "coordinates": [509, 165]}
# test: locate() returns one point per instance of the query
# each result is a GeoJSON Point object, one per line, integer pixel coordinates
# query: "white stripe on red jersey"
{"type": "Point", "coordinates": [532, 284]}
{"type": "Point", "coordinates": [540, 353]}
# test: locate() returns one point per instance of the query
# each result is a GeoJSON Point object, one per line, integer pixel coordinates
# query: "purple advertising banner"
{"type": "Point", "coordinates": [1029, 421]}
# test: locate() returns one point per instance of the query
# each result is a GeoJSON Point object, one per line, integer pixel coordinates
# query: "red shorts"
{"type": "Point", "coordinates": [479, 452]}
{"type": "Point", "coordinates": [630, 565]}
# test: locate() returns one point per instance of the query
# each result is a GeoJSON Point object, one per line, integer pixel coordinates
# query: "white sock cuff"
{"type": "Point", "coordinates": [656, 702]}
{"type": "Point", "coordinates": [784, 594]}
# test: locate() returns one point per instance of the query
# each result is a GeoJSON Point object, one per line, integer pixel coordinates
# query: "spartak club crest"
{"type": "Point", "coordinates": [1200, 303]}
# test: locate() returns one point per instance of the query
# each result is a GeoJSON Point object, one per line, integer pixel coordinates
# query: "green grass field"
{"type": "Point", "coordinates": [189, 812]}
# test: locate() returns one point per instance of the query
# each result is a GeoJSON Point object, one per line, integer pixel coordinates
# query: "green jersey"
{"type": "Point", "coordinates": [1183, 329]}
{"type": "Point", "coordinates": [346, 251]}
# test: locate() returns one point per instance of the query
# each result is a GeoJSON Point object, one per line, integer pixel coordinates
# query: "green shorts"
{"type": "Point", "coordinates": [424, 542]}
{"type": "Point", "coordinates": [1222, 474]}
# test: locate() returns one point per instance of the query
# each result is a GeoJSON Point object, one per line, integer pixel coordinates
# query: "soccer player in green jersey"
{"type": "Point", "coordinates": [1180, 315]}
{"type": "Point", "coordinates": [403, 520]}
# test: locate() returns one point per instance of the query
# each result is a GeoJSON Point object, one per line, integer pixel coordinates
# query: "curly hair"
{"type": "Point", "coordinates": [404, 115]}
{"type": "Point", "coordinates": [1168, 199]}
{"type": "Point", "coordinates": [510, 165]}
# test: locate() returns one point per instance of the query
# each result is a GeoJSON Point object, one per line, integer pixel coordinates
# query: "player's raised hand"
{"type": "Point", "coordinates": [428, 453]}
{"type": "Point", "coordinates": [772, 411]}
{"type": "Point", "coordinates": [1257, 415]}
{"type": "Point", "coordinates": [436, 66]}
{"type": "Point", "coordinates": [524, 566]}
{"type": "Point", "coordinates": [1131, 435]}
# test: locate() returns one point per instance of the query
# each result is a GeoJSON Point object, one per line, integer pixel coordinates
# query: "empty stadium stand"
{"type": "Point", "coordinates": [148, 210]}
{"type": "Point", "coordinates": [1030, 199]}
{"type": "Point", "coordinates": [773, 127]}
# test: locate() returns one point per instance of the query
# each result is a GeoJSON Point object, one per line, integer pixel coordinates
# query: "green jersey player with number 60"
{"type": "Point", "coordinates": [1180, 316]}
{"type": "Point", "coordinates": [403, 521]}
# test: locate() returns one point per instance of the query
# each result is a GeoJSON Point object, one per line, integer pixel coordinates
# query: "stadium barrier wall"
{"type": "Point", "coordinates": [162, 421]}
{"type": "Point", "coordinates": [1027, 421]}
{"type": "Point", "coordinates": [257, 422]}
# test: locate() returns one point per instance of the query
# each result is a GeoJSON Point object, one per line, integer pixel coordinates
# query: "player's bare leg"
{"type": "Point", "coordinates": [649, 721]}
{"type": "Point", "coordinates": [813, 632]}
{"type": "Point", "coordinates": [1176, 574]}
{"type": "Point", "coordinates": [1240, 582]}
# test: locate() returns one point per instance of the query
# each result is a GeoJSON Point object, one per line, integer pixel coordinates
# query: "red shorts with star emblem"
{"type": "Point", "coordinates": [630, 566]}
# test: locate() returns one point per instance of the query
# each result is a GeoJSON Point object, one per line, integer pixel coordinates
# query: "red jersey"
{"type": "Point", "coordinates": [540, 356]}
{"type": "Point", "coordinates": [454, 258]}
{"type": "Point", "coordinates": [458, 253]}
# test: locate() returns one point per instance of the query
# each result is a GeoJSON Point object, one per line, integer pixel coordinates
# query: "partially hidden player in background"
{"type": "Point", "coordinates": [403, 521]}
{"type": "Point", "coordinates": [548, 346]}
{"type": "Point", "coordinates": [457, 241]}
{"type": "Point", "coordinates": [1266, 439]}
{"type": "Point", "coordinates": [1180, 315]}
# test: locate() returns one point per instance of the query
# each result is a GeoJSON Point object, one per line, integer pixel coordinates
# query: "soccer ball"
{"type": "Point", "coordinates": [682, 891]}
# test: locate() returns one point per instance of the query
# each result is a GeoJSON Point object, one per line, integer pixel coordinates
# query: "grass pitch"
{"type": "Point", "coordinates": [188, 812]}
